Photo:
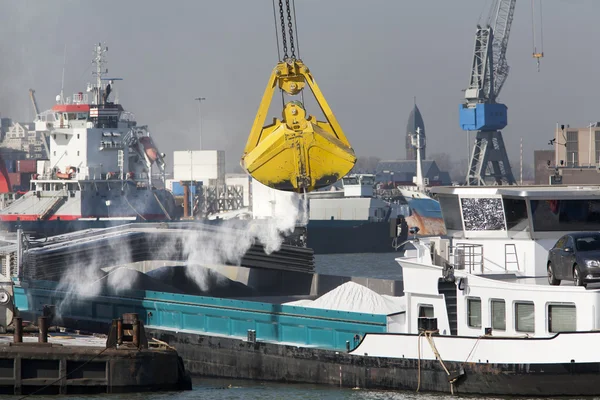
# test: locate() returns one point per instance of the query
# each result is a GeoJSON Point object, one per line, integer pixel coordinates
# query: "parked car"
{"type": "Point", "coordinates": [575, 256]}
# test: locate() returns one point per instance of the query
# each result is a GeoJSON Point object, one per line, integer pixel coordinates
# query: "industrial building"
{"type": "Point", "coordinates": [575, 158]}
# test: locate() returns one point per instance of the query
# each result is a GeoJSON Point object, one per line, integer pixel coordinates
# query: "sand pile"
{"type": "Point", "coordinates": [355, 298]}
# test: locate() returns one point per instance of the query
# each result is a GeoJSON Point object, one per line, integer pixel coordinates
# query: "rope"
{"type": "Point", "coordinates": [276, 33]}
{"type": "Point", "coordinates": [133, 208]}
{"type": "Point", "coordinates": [472, 349]}
{"type": "Point", "coordinates": [167, 345]}
{"type": "Point", "coordinates": [429, 336]}
{"type": "Point", "coordinates": [161, 206]}
{"type": "Point", "coordinates": [419, 361]}
{"type": "Point", "coordinates": [64, 376]}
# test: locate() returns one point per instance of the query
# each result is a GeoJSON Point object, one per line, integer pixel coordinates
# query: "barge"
{"type": "Point", "coordinates": [475, 313]}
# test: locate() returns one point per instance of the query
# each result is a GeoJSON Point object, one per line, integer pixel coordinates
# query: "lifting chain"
{"type": "Point", "coordinates": [291, 30]}
{"type": "Point", "coordinates": [283, 38]}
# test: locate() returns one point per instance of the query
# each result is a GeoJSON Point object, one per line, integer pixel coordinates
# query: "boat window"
{"type": "Point", "coordinates": [565, 215]}
{"type": "Point", "coordinates": [483, 214]}
{"type": "Point", "coordinates": [562, 318]}
{"type": "Point", "coordinates": [72, 116]}
{"type": "Point", "coordinates": [474, 312]}
{"type": "Point", "coordinates": [588, 243]}
{"type": "Point", "coordinates": [82, 116]}
{"type": "Point", "coordinates": [425, 311]}
{"type": "Point", "coordinates": [498, 314]}
{"type": "Point", "coordinates": [451, 212]}
{"type": "Point", "coordinates": [524, 317]}
{"type": "Point", "coordinates": [350, 181]}
{"type": "Point", "coordinates": [367, 180]}
{"type": "Point", "coordinates": [516, 214]}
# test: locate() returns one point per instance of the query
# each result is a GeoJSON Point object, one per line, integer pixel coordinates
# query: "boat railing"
{"type": "Point", "coordinates": [79, 98]}
{"type": "Point", "coordinates": [467, 256]}
{"type": "Point", "coordinates": [470, 257]}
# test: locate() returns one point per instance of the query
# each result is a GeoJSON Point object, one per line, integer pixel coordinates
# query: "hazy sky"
{"type": "Point", "coordinates": [369, 58]}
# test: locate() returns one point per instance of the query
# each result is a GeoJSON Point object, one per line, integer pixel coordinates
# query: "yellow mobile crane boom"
{"type": "Point", "coordinates": [297, 153]}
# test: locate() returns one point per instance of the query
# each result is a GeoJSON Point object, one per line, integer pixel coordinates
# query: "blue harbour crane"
{"type": "Point", "coordinates": [481, 112]}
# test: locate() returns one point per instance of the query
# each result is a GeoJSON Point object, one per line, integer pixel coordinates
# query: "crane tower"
{"type": "Point", "coordinates": [481, 112]}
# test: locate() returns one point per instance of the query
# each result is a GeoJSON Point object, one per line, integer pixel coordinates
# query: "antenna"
{"type": "Point", "coordinates": [62, 84]}
{"type": "Point", "coordinates": [100, 61]}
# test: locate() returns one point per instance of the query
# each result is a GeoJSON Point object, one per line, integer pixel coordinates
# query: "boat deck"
{"type": "Point", "coordinates": [538, 281]}
{"type": "Point", "coordinates": [59, 338]}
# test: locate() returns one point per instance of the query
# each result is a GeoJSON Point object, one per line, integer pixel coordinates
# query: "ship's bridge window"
{"type": "Point", "coordinates": [425, 311]}
{"type": "Point", "coordinates": [565, 215]}
{"type": "Point", "coordinates": [82, 116]}
{"type": "Point", "coordinates": [562, 318]}
{"type": "Point", "coordinates": [515, 211]}
{"type": "Point", "coordinates": [350, 181]}
{"type": "Point", "coordinates": [525, 317]}
{"type": "Point", "coordinates": [451, 212]}
{"type": "Point", "coordinates": [474, 312]}
{"type": "Point", "coordinates": [72, 116]}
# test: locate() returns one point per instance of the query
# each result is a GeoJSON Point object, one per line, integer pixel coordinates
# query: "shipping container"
{"type": "Point", "coordinates": [15, 178]}
{"type": "Point", "coordinates": [177, 188]}
{"type": "Point", "coordinates": [27, 166]}
{"type": "Point", "coordinates": [19, 181]}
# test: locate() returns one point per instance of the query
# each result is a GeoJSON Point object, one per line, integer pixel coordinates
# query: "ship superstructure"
{"type": "Point", "coordinates": [100, 161]}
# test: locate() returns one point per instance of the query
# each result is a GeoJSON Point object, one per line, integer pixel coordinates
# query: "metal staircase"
{"type": "Point", "coordinates": [448, 289]}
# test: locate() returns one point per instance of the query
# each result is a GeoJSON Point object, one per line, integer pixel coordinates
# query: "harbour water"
{"type": "Point", "coordinates": [212, 389]}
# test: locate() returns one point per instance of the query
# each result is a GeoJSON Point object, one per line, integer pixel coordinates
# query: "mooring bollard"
{"type": "Point", "coordinates": [18, 336]}
{"type": "Point", "coordinates": [43, 330]}
{"type": "Point", "coordinates": [120, 331]}
{"type": "Point", "coordinates": [136, 333]}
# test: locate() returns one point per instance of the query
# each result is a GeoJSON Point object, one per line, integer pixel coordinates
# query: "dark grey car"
{"type": "Point", "coordinates": [575, 256]}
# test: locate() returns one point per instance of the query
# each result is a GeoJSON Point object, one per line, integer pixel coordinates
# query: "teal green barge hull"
{"type": "Point", "coordinates": [277, 323]}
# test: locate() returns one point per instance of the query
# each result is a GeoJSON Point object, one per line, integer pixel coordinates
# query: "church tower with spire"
{"type": "Point", "coordinates": [415, 120]}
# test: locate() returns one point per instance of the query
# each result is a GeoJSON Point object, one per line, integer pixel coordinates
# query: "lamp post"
{"type": "Point", "coordinates": [200, 100]}
{"type": "Point", "coordinates": [592, 124]}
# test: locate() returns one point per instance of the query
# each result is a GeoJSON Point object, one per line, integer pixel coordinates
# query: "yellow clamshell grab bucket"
{"type": "Point", "coordinates": [297, 153]}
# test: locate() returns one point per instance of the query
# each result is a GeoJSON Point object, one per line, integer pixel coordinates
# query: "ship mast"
{"type": "Point", "coordinates": [100, 61]}
{"type": "Point", "coordinates": [418, 146]}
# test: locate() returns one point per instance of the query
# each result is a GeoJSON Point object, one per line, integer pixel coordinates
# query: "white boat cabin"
{"type": "Point", "coordinates": [489, 275]}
